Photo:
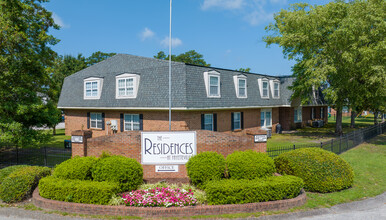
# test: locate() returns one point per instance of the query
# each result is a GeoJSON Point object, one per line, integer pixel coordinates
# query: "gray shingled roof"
{"type": "Point", "coordinates": [188, 87]}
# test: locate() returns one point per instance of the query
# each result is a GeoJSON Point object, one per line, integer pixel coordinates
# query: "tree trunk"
{"type": "Point", "coordinates": [383, 117]}
{"type": "Point", "coordinates": [338, 125]}
{"type": "Point", "coordinates": [353, 115]}
{"type": "Point", "coordinates": [54, 131]}
{"type": "Point", "coordinates": [375, 117]}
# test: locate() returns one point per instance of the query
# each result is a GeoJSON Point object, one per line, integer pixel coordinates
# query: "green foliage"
{"type": "Point", "coordinates": [25, 54]}
{"type": "Point", "coordinates": [205, 166]}
{"type": "Point", "coordinates": [249, 165]}
{"type": "Point", "coordinates": [190, 57]}
{"type": "Point", "coordinates": [4, 173]}
{"type": "Point", "coordinates": [230, 191]}
{"type": "Point", "coordinates": [21, 183]}
{"type": "Point", "coordinates": [75, 168]}
{"type": "Point", "coordinates": [79, 191]}
{"type": "Point", "coordinates": [247, 70]}
{"type": "Point", "coordinates": [125, 171]}
{"type": "Point", "coordinates": [321, 170]}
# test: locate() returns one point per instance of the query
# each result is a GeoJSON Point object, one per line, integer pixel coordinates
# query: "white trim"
{"type": "Point", "coordinates": [207, 83]}
{"type": "Point", "coordinates": [132, 122]}
{"type": "Point", "coordinates": [236, 83]}
{"type": "Point", "coordinates": [176, 108]}
{"type": "Point", "coordinates": [211, 114]}
{"type": "Point", "coordinates": [234, 120]}
{"type": "Point", "coordinates": [272, 85]}
{"type": "Point", "coordinates": [135, 78]}
{"type": "Point", "coordinates": [301, 114]}
{"type": "Point", "coordinates": [260, 82]}
{"type": "Point", "coordinates": [265, 110]}
{"type": "Point", "coordinates": [96, 121]}
{"type": "Point", "coordinates": [99, 82]}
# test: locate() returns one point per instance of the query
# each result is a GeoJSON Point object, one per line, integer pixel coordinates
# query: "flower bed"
{"type": "Point", "coordinates": [160, 197]}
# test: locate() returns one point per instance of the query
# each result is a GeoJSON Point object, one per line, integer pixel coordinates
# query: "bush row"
{"type": "Point", "coordinates": [8, 170]}
{"type": "Point", "coordinates": [249, 164]}
{"type": "Point", "coordinates": [233, 191]}
{"type": "Point", "coordinates": [20, 183]}
{"type": "Point", "coordinates": [321, 170]}
{"type": "Point", "coordinates": [79, 191]}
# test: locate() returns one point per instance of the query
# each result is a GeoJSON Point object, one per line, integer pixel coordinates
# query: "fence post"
{"type": "Point", "coordinates": [347, 142]}
{"type": "Point", "coordinates": [340, 144]}
{"type": "Point", "coordinates": [45, 156]}
{"type": "Point", "coordinates": [294, 147]}
{"type": "Point", "coordinates": [321, 145]}
{"type": "Point", "coordinates": [17, 155]}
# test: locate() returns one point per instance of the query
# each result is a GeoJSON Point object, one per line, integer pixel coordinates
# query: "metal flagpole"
{"type": "Point", "coordinates": [170, 68]}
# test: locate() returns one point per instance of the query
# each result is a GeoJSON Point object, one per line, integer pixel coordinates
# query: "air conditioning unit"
{"type": "Point", "coordinates": [318, 124]}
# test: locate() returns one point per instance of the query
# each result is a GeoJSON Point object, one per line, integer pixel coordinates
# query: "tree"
{"type": "Point", "coordinates": [336, 46]}
{"type": "Point", "coordinates": [247, 70]}
{"type": "Point", "coordinates": [25, 55]}
{"type": "Point", "coordinates": [97, 57]}
{"type": "Point", "coordinates": [190, 57]}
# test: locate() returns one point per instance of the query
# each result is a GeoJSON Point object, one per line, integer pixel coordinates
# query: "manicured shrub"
{"type": "Point", "coordinates": [21, 183]}
{"type": "Point", "coordinates": [249, 165]}
{"type": "Point", "coordinates": [125, 171]}
{"type": "Point", "coordinates": [79, 191]}
{"type": "Point", "coordinates": [8, 170]}
{"type": "Point", "coordinates": [321, 170]}
{"type": "Point", "coordinates": [232, 191]}
{"type": "Point", "coordinates": [75, 168]}
{"type": "Point", "coordinates": [205, 166]}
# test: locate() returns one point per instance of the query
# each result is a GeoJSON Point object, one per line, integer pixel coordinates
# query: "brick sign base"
{"type": "Point", "coordinates": [89, 209]}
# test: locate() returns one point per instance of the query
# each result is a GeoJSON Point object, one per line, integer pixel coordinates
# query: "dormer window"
{"type": "Point", "coordinates": [240, 86]}
{"type": "Point", "coordinates": [212, 84]}
{"type": "Point", "coordinates": [275, 88]}
{"type": "Point", "coordinates": [92, 88]}
{"type": "Point", "coordinates": [126, 86]}
{"type": "Point", "coordinates": [263, 88]}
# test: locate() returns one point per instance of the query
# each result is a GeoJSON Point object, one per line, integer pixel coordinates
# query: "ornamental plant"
{"type": "Point", "coordinates": [164, 197]}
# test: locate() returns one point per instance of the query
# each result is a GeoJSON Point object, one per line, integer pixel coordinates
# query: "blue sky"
{"type": "Point", "coordinates": [227, 32]}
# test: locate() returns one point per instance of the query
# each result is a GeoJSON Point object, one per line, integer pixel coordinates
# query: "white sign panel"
{"type": "Point", "coordinates": [77, 139]}
{"type": "Point", "coordinates": [166, 168]}
{"type": "Point", "coordinates": [260, 138]}
{"type": "Point", "coordinates": [167, 147]}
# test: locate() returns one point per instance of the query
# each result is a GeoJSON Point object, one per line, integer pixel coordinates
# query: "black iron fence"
{"type": "Point", "coordinates": [43, 156]}
{"type": "Point", "coordinates": [337, 145]}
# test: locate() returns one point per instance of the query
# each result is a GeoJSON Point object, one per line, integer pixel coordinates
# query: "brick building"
{"type": "Point", "coordinates": [127, 92]}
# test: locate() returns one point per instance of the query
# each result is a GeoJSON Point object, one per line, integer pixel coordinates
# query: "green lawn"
{"type": "Point", "coordinates": [58, 139]}
{"type": "Point", "coordinates": [310, 135]}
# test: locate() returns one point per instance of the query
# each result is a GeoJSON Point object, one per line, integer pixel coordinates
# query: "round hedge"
{"type": "Point", "coordinates": [321, 170]}
{"type": "Point", "coordinates": [249, 165]}
{"type": "Point", "coordinates": [123, 170]}
{"type": "Point", "coordinates": [21, 183]}
{"type": "Point", "coordinates": [76, 168]}
{"type": "Point", "coordinates": [205, 166]}
{"type": "Point", "coordinates": [4, 173]}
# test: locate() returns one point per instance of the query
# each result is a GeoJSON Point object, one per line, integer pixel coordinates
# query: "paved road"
{"type": "Point", "coordinates": [369, 209]}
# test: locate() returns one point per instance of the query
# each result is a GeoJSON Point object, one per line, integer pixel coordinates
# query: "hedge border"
{"type": "Point", "coordinates": [90, 209]}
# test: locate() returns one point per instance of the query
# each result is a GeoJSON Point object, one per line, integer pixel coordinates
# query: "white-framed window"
{"type": "Point", "coordinates": [276, 89]}
{"type": "Point", "coordinates": [298, 114]}
{"type": "Point", "coordinates": [266, 117]}
{"type": "Point", "coordinates": [96, 120]}
{"type": "Point", "coordinates": [312, 113]}
{"type": "Point", "coordinates": [265, 89]}
{"type": "Point", "coordinates": [242, 88]}
{"type": "Point", "coordinates": [131, 122]}
{"type": "Point", "coordinates": [212, 84]}
{"type": "Point", "coordinates": [92, 88]}
{"type": "Point", "coordinates": [236, 120]}
{"type": "Point", "coordinates": [322, 112]}
{"type": "Point", "coordinates": [240, 82]}
{"type": "Point", "coordinates": [208, 122]}
{"type": "Point", "coordinates": [127, 86]}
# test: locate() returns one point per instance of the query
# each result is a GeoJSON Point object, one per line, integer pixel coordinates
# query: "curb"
{"type": "Point", "coordinates": [90, 209]}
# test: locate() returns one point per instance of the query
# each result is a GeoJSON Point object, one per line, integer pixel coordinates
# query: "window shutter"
{"type": "Point", "coordinates": [232, 125]}
{"type": "Point", "coordinates": [122, 123]}
{"type": "Point", "coordinates": [242, 120]}
{"type": "Point", "coordinates": [202, 121]}
{"type": "Point", "coordinates": [141, 122]}
{"type": "Point", "coordinates": [88, 120]}
{"type": "Point", "coordinates": [214, 122]}
{"type": "Point", "coordinates": [103, 121]}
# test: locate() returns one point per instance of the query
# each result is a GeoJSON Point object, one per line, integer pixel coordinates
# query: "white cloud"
{"type": "Point", "coordinates": [175, 42]}
{"type": "Point", "coordinates": [258, 15]}
{"type": "Point", "coordinates": [146, 34]}
{"type": "Point", "coordinates": [59, 21]}
{"type": "Point", "coordinates": [222, 4]}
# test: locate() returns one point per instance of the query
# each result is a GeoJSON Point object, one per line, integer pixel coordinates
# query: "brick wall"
{"type": "Point", "coordinates": [159, 121]}
{"type": "Point", "coordinates": [129, 144]}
